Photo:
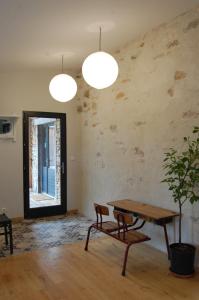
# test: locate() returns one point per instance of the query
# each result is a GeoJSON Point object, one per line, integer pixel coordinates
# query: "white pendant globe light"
{"type": "Point", "coordinates": [63, 87]}
{"type": "Point", "coordinates": [100, 69]}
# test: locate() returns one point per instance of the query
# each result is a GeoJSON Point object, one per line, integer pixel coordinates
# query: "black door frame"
{"type": "Point", "coordinates": [50, 210]}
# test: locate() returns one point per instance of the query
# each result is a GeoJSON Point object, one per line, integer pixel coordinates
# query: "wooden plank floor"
{"type": "Point", "coordinates": [68, 272]}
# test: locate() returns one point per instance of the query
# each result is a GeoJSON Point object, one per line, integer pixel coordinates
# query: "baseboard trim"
{"type": "Point", "coordinates": [68, 213]}
{"type": "Point", "coordinates": [17, 220]}
{"type": "Point", "coordinates": [72, 212]}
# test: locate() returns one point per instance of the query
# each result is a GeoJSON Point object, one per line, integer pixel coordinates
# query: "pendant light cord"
{"type": "Point", "coordinates": [62, 64]}
{"type": "Point", "coordinates": [100, 39]}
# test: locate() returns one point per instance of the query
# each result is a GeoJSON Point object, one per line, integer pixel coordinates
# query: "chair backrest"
{"type": "Point", "coordinates": [124, 218]}
{"type": "Point", "coordinates": [101, 210]}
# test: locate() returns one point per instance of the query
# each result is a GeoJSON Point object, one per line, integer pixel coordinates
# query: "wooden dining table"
{"type": "Point", "coordinates": [146, 212]}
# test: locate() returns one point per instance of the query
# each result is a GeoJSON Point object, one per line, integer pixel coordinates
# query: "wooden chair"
{"type": "Point", "coordinates": [6, 224]}
{"type": "Point", "coordinates": [105, 227]}
{"type": "Point", "coordinates": [123, 230]}
{"type": "Point", "coordinates": [126, 235]}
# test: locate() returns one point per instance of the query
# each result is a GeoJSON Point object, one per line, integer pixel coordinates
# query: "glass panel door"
{"type": "Point", "coordinates": [44, 158]}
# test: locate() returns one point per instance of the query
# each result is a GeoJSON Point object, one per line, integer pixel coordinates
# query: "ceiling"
{"type": "Point", "coordinates": [35, 33]}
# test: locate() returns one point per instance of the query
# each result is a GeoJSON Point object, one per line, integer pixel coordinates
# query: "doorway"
{"type": "Point", "coordinates": [44, 149]}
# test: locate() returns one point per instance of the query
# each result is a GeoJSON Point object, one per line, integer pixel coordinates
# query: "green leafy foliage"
{"type": "Point", "coordinates": [182, 172]}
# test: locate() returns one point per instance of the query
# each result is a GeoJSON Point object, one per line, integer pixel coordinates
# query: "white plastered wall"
{"type": "Point", "coordinates": [126, 128]}
{"type": "Point", "coordinates": [28, 91]}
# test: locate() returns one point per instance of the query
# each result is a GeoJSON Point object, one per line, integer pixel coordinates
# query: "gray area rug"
{"type": "Point", "coordinates": [47, 232]}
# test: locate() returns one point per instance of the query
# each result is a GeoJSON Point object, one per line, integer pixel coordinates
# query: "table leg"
{"type": "Point", "coordinates": [6, 234]}
{"type": "Point", "coordinates": [11, 239]}
{"type": "Point", "coordinates": [167, 240]}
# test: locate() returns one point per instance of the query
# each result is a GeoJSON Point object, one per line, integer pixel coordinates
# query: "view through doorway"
{"type": "Point", "coordinates": [44, 159]}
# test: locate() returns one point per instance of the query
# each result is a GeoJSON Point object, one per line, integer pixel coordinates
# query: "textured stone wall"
{"type": "Point", "coordinates": [33, 145]}
{"type": "Point", "coordinates": [127, 127]}
{"type": "Point", "coordinates": [58, 161]}
{"type": "Point", "coordinates": [30, 154]}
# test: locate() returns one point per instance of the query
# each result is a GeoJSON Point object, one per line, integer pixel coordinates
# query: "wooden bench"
{"type": "Point", "coordinates": [123, 230]}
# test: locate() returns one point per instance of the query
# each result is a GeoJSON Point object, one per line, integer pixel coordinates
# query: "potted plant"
{"type": "Point", "coordinates": [182, 177]}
